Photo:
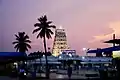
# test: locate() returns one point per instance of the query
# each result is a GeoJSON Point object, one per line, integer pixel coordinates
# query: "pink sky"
{"type": "Point", "coordinates": [87, 22]}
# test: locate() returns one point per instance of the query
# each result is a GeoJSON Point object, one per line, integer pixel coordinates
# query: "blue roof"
{"type": "Point", "coordinates": [95, 51]}
{"type": "Point", "coordinates": [12, 54]}
{"type": "Point", "coordinates": [109, 49]}
{"type": "Point", "coordinates": [116, 48]}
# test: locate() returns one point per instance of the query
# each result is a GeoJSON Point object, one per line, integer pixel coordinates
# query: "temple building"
{"type": "Point", "coordinates": [60, 42]}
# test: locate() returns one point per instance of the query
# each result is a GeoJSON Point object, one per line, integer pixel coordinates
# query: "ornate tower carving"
{"type": "Point", "coordinates": [60, 41]}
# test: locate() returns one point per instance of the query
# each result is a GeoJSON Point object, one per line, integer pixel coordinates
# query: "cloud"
{"type": "Point", "coordinates": [115, 26]}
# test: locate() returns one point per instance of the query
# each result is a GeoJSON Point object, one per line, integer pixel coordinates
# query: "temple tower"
{"type": "Point", "coordinates": [60, 41]}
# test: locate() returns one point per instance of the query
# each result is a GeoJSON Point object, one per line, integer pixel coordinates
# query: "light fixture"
{"type": "Point", "coordinates": [83, 57]}
{"type": "Point", "coordinates": [25, 62]}
{"type": "Point", "coordinates": [60, 52]}
{"type": "Point", "coordinates": [43, 55]}
{"type": "Point", "coordinates": [70, 55]}
{"type": "Point", "coordinates": [84, 49]}
{"type": "Point", "coordinates": [15, 63]}
{"type": "Point", "coordinates": [25, 74]}
{"type": "Point", "coordinates": [60, 57]}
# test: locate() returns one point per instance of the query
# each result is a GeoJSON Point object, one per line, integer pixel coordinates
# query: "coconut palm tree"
{"type": "Point", "coordinates": [22, 42]}
{"type": "Point", "coordinates": [44, 31]}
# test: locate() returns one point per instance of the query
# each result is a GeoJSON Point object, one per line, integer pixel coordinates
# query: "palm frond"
{"type": "Point", "coordinates": [26, 37]}
{"type": "Point", "coordinates": [17, 37]}
{"type": "Point", "coordinates": [17, 49]}
{"type": "Point", "coordinates": [26, 49]}
{"type": "Point", "coordinates": [27, 45]}
{"type": "Point", "coordinates": [49, 22]}
{"type": "Point", "coordinates": [38, 36]}
{"type": "Point", "coordinates": [52, 26]}
{"type": "Point", "coordinates": [40, 19]}
{"type": "Point", "coordinates": [16, 46]}
{"type": "Point", "coordinates": [49, 31]}
{"type": "Point", "coordinates": [44, 18]}
{"type": "Point", "coordinates": [16, 42]}
{"type": "Point", "coordinates": [37, 25]}
{"type": "Point", "coordinates": [48, 35]}
{"type": "Point", "coordinates": [27, 41]}
{"type": "Point", "coordinates": [21, 35]}
{"type": "Point", "coordinates": [36, 30]}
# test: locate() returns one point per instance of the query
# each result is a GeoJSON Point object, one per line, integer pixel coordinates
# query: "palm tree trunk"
{"type": "Point", "coordinates": [47, 70]}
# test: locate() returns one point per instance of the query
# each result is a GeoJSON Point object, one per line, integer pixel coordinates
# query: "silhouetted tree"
{"type": "Point", "coordinates": [43, 27]}
{"type": "Point", "coordinates": [22, 42]}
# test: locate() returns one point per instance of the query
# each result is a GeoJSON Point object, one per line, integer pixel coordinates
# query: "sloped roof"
{"type": "Point", "coordinates": [117, 41]}
{"type": "Point", "coordinates": [12, 54]}
{"type": "Point", "coordinates": [8, 57]}
{"type": "Point", "coordinates": [109, 49]}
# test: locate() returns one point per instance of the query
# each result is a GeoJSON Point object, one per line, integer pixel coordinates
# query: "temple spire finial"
{"type": "Point", "coordinates": [60, 27]}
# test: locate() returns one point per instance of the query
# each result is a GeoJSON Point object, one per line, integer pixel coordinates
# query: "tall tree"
{"type": "Point", "coordinates": [22, 42]}
{"type": "Point", "coordinates": [44, 31]}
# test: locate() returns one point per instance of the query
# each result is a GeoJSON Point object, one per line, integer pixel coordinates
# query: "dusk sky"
{"type": "Point", "coordinates": [87, 22]}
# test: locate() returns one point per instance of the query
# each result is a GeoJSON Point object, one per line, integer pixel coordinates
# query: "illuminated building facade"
{"type": "Point", "coordinates": [72, 52]}
{"type": "Point", "coordinates": [60, 42]}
